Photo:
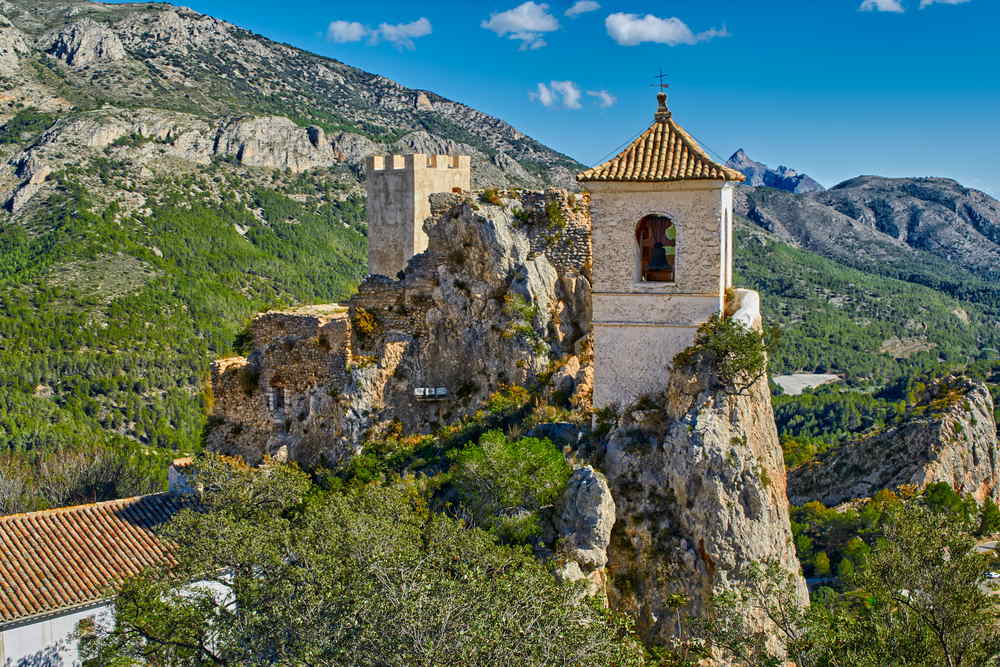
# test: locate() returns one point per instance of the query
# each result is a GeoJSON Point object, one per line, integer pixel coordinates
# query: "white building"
{"type": "Point", "coordinates": [662, 216]}
{"type": "Point", "coordinates": [57, 568]}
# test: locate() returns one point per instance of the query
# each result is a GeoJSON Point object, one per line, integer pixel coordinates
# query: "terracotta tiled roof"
{"type": "Point", "coordinates": [664, 152]}
{"type": "Point", "coordinates": [68, 557]}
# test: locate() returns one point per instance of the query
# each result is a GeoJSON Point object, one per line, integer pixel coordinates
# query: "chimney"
{"type": "Point", "coordinates": [178, 483]}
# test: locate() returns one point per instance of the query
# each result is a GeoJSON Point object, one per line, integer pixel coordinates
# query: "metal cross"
{"type": "Point", "coordinates": [661, 76]}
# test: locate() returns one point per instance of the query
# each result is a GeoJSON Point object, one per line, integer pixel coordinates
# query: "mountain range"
{"type": "Point", "coordinates": [166, 175]}
{"type": "Point", "coordinates": [783, 178]}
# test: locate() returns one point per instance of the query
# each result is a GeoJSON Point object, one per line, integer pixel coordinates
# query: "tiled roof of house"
{"type": "Point", "coordinates": [69, 557]}
{"type": "Point", "coordinates": [664, 152]}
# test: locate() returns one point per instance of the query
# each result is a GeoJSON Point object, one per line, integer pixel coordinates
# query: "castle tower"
{"type": "Point", "coordinates": [398, 187]}
{"type": "Point", "coordinates": [662, 215]}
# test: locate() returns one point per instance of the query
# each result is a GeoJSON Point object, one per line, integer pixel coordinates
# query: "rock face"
{"type": "Point", "coordinates": [584, 529]}
{"type": "Point", "coordinates": [951, 438]}
{"type": "Point", "coordinates": [274, 142]}
{"type": "Point", "coordinates": [782, 178]}
{"type": "Point", "coordinates": [588, 515]}
{"type": "Point", "coordinates": [245, 89]}
{"type": "Point", "coordinates": [902, 225]}
{"type": "Point", "coordinates": [86, 42]}
{"type": "Point", "coordinates": [699, 489]}
{"type": "Point", "coordinates": [491, 303]}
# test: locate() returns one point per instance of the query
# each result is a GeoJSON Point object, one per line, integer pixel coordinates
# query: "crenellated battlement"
{"type": "Point", "coordinates": [417, 161]}
{"type": "Point", "coordinates": [398, 187]}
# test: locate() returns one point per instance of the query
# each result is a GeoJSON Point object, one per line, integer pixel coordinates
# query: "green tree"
{"type": "Point", "coordinates": [915, 601]}
{"type": "Point", "coordinates": [845, 568]}
{"type": "Point", "coordinates": [359, 578]}
{"type": "Point", "coordinates": [989, 518]}
{"type": "Point", "coordinates": [821, 564]}
{"type": "Point", "coordinates": [503, 484]}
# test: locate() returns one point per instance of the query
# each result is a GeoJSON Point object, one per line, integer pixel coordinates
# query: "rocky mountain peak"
{"type": "Point", "coordinates": [783, 178]}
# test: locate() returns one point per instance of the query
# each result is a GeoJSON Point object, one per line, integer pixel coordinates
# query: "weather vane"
{"type": "Point", "coordinates": [661, 76]}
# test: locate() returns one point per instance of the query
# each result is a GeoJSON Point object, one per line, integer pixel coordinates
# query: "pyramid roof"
{"type": "Point", "coordinates": [664, 152]}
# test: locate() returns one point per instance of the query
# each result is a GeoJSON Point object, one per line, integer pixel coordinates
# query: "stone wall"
{"type": "Point", "coordinates": [481, 308]}
{"type": "Point", "coordinates": [398, 188]}
{"type": "Point", "coordinates": [640, 326]}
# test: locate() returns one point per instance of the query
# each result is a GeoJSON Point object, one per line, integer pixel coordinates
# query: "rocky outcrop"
{"type": "Point", "coordinates": [782, 178]}
{"type": "Point", "coordinates": [584, 529]}
{"type": "Point", "coordinates": [493, 302]}
{"type": "Point", "coordinates": [275, 142]}
{"type": "Point", "coordinates": [950, 436]}
{"type": "Point", "coordinates": [699, 489]}
{"type": "Point", "coordinates": [85, 43]}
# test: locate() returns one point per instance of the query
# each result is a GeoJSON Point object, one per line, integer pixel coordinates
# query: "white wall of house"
{"type": "Point", "coordinates": [49, 641]}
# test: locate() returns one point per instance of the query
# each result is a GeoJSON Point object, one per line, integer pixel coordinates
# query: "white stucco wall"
{"type": "Point", "coordinates": [48, 642]}
{"type": "Point", "coordinates": [640, 326]}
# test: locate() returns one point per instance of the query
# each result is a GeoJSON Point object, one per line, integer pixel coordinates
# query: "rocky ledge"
{"type": "Point", "coordinates": [951, 437]}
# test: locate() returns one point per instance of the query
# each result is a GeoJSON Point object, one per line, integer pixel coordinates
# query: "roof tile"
{"type": "Point", "coordinates": [664, 152]}
{"type": "Point", "coordinates": [67, 557]}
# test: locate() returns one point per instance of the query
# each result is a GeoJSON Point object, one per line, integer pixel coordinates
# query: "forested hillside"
{"type": "Point", "coordinates": [166, 175]}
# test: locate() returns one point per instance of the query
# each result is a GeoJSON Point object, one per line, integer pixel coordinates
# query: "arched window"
{"type": "Point", "coordinates": [657, 239]}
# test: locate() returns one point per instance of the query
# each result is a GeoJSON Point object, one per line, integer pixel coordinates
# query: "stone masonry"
{"type": "Point", "coordinates": [640, 326]}
{"type": "Point", "coordinates": [398, 188]}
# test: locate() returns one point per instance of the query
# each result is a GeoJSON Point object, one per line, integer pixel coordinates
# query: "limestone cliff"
{"type": "Point", "coordinates": [501, 293]}
{"type": "Point", "coordinates": [950, 437]}
{"type": "Point", "coordinates": [679, 496]}
{"type": "Point", "coordinates": [121, 68]}
{"type": "Point", "coordinates": [699, 487]}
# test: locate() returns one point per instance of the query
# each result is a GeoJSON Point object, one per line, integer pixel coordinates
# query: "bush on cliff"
{"type": "Point", "coordinates": [503, 485]}
{"type": "Point", "coordinates": [367, 577]}
{"type": "Point", "coordinates": [915, 599]}
{"type": "Point", "coordinates": [736, 355]}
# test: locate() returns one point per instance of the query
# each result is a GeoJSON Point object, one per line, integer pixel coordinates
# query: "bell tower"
{"type": "Point", "coordinates": [662, 216]}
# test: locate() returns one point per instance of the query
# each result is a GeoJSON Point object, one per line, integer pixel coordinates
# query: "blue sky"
{"type": "Point", "coordinates": [835, 88]}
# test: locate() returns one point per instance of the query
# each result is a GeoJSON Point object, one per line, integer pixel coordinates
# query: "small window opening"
{"type": "Point", "coordinates": [657, 239]}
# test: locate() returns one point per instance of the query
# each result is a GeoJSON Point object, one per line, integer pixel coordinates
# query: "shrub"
{"type": "Point", "coordinates": [554, 214]}
{"type": "Point", "coordinates": [737, 355]}
{"type": "Point", "coordinates": [25, 125]}
{"type": "Point", "coordinates": [491, 196]}
{"type": "Point", "coordinates": [503, 485]}
{"type": "Point", "coordinates": [365, 323]}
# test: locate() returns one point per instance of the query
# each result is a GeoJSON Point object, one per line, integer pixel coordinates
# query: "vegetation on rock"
{"type": "Point", "coordinates": [360, 577]}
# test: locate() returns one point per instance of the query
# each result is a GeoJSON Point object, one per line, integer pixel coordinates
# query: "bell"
{"type": "Point", "coordinates": [658, 259]}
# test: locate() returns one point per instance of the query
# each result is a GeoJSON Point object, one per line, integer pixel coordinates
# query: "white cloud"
{"type": "Point", "coordinates": [524, 23]}
{"type": "Point", "coordinates": [403, 34]}
{"type": "Point", "coordinates": [582, 7]}
{"type": "Point", "coordinates": [604, 98]}
{"type": "Point", "coordinates": [927, 3]}
{"type": "Point", "coordinates": [346, 31]}
{"type": "Point", "coordinates": [570, 93]}
{"type": "Point", "coordinates": [543, 95]}
{"type": "Point", "coordinates": [881, 6]}
{"type": "Point", "coordinates": [631, 29]}
{"type": "Point", "coordinates": [565, 93]}
{"type": "Point", "coordinates": [400, 34]}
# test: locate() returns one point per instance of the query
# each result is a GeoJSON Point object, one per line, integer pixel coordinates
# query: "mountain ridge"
{"type": "Point", "coordinates": [783, 178]}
